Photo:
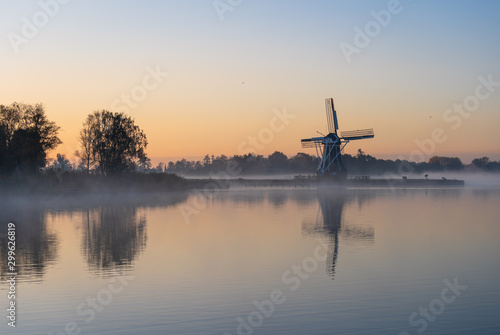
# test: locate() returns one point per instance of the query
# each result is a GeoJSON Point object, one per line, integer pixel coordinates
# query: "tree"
{"type": "Point", "coordinates": [86, 154]}
{"type": "Point", "coordinates": [160, 167]}
{"type": "Point", "coordinates": [112, 143]}
{"type": "Point", "coordinates": [6, 160]}
{"type": "Point", "coordinates": [207, 161]}
{"type": "Point", "coordinates": [445, 163]}
{"type": "Point", "coordinates": [277, 161]}
{"type": "Point", "coordinates": [27, 150]}
{"type": "Point", "coordinates": [481, 163]}
{"type": "Point", "coordinates": [303, 162]}
{"type": "Point", "coordinates": [61, 163]}
{"type": "Point", "coordinates": [26, 136]}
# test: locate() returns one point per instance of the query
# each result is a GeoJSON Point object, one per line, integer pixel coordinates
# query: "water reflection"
{"type": "Point", "coordinates": [329, 224]}
{"type": "Point", "coordinates": [277, 198]}
{"type": "Point", "coordinates": [115, 234]}
{"type": "Point", "coordinates": [113, 230]}
{"type": "Point", "coordinates": [113, 237]}
{"type": "Point", "coordinates": [36, 246]}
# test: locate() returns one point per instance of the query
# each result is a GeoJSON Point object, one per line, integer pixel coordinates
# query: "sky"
{"type": "Point", "coordinates": [237, 76]}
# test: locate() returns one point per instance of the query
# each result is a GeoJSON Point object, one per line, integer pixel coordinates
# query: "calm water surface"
{"type": "Point", "coordinates": [259, 262]}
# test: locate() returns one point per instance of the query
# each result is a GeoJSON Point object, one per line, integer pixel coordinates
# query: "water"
{"type": "Point", "coordinates": [259, 262]}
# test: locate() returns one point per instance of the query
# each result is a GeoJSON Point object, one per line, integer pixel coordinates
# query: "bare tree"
{"type": "Point", "coordinates": [86, 154]}
{"type": "Point", "coordinates": [111, 143]}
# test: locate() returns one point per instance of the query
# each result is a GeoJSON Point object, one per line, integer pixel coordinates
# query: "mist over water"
{"type": "Point", "coordinates": [472, 180]}
{"type": "Point", "coordinates": [478, 180]}
{"type": "Point", "coordinates": [369, 260]}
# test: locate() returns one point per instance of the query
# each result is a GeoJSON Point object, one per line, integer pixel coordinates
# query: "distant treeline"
{"type": "Point", "coordinates": [111, 144]}
{"type": "Point", "coordinates": [302, 163]}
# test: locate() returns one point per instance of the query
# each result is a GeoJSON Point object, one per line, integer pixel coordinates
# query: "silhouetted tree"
{"type": "Point", "coordinates": [303, 162]}
{"type": "Point", "coordinates": [445, 163]}
{"type": "Point", "coordinates": [112, 143]}
{"type": "Point", "coordinates": [207, 161]}
{"type": "Point", "coordinates": [277, 161]}
{"type": "Point", "coordinates": [26, 136]}
{"type": "Point", "coordinates": [5, 157]}
{"type": "Point", "coordinates": [61, 163]}
{"type": "Point", "coordinates": [360, 164]}
{"type": "Point", "coordinates": [28, 152]}
{"type": "Point", "coordinates": [86, 154]}
{"type": "Point", "coordinates": [481, 163]}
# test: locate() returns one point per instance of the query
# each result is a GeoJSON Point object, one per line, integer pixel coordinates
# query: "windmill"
{"type": "Point", "coordinates": [329, 148]}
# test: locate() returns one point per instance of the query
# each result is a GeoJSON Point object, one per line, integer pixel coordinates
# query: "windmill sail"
{"type": "Point", "coordinates": [329, 148]}
{"type": "Point", "coordinates": [357, 134]}
{"type": "Point", "coordinates": [331, 116]}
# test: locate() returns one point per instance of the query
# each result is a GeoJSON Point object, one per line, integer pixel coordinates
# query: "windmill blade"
{"type": "Point", "coordinates": [307, 143]}
{"type": "Point", "coordinates": [311, 142]}
{"type": "Point", "coordinates": [331, 116]}
{"type": "Point", "coordinates": [357, 134]}
{"type": "Point", "coordinates": [335, 120]}
{"type": "Point", "coordinates": [314, 139]}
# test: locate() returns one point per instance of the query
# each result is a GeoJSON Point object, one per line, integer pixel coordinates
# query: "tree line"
{"type": "Point", "coordinates": [112, 144]}
{"type": "Point", "coordinates": [303, 163]}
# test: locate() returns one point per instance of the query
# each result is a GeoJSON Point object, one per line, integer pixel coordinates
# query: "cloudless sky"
{"type": "Point", "coordinates": [226, 77]}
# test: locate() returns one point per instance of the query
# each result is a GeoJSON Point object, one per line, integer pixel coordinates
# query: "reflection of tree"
{"type": "Point", "coordinates": [36, 247]}
{"type": "Point", "coordinates": [113, 236]}
{"type": "Point", "coordinates": [329, 224]}
{"type": "Point", "coordinates": [277, 198]}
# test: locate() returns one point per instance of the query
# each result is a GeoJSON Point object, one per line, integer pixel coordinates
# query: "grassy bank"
{"type": "Point", "coordinates": [57, 183]}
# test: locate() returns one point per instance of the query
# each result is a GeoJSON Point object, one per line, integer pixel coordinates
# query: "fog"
{"type": "Point", "coordinates": [472, 180]}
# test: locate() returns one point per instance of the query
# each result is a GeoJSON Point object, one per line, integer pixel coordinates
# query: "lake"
{"type": "Point", "coordinates": [258, 261]}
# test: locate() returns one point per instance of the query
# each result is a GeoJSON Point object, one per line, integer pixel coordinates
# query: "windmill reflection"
{"type": "Point", "coordinates": [113, 237]}
{"type": "Point", "coordinates": [331, 226]}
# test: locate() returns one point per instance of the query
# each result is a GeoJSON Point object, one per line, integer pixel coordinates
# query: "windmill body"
{"type": "Point", "coordinates": [329, 148]}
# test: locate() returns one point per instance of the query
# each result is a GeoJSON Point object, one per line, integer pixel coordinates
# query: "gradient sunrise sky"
{"type": "Point", "coordinates": [232, 64]}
